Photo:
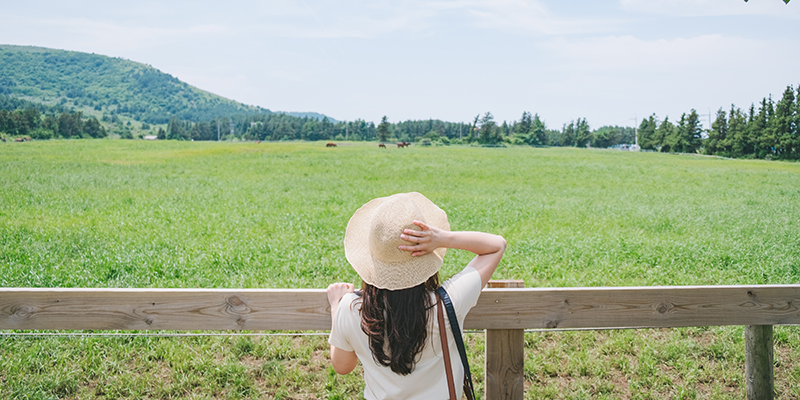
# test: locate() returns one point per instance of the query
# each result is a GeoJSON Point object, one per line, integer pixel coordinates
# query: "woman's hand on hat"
{"type": "Point", "coordinates": [425, 241]}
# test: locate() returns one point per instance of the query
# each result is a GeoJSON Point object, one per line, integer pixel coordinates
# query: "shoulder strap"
{"type": "Point", "coordinates": [451, 315]}
{"type": "Point", "coordinates": [448, 368]}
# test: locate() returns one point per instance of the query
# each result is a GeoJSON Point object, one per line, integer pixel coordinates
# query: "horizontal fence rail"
{"type": "Point", "coordinates": [307, 309]}
{"type": "Point", "coordinates": [503, 312]}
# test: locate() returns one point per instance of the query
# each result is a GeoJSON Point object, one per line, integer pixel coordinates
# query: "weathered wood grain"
{"type": "Point", "coordinates": [504, 371]}
{"type": "Point", "coordinates": [307, 309]}
{"type": "Point", "coordinates": [760, 380]}
{"type": "Point", "coordinates": [164, 309]}
{"type": "Point", "coordinates": [636, 307]}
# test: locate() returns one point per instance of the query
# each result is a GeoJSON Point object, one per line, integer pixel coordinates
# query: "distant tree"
{"type": "Point", "coordinates": [647, 133]}
{"type": "Point", "coordinates": [689, 135]}
{"type": "Point", "coordinates": [525, 124]}
{"type": "Point", "coordinates": [162, 134]}
{"type": "Point", "coordinates": [759, 130]}
{"type": "Point", "coordinates": [383, 129]}
{"type": "Point", "coordinates": [93, 128]}
{"type": "Point", "coordinates": [537, 135]}
{"type": "Point", "coordinates": [739, 143]}
{"type": "Point", "coordinates": [175, 129]}
{"type": "Point", "coordinates": [583, 135]}
{"type": "Point", "coordinates": [782, 125]}
{"type": "Point", "coordinates": [568, 134]}
{"type": "Point", "coordinates": [474, 132]}
{"type": "Point", "coordinates": [664, 135]}
{"type": "Point", "coordinates": [717, 141]}
{"type": "Point", "coordinates": [70, 125]}
{"type": "Point", "coordinates": [489, 131]}
{"type": "Point", "coordinates": [607, 136]}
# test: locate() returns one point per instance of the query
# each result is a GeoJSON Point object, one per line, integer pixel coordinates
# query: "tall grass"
{"type": "Point", "coordinates": [171, 214]}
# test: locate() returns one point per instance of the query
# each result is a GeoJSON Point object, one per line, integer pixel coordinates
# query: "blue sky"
{"type": "Point", "coordinates": [610, 62]}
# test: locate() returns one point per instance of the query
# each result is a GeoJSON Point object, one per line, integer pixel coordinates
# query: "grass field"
{"type": "Point", "coordinates": [111, 213]}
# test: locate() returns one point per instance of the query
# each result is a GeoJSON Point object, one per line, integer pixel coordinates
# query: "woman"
{"type": "Point", "coordinates": [396, 244]}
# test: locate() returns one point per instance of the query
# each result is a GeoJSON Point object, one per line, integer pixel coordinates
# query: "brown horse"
{"type": "Point", "coordinates": [400, 145]}
{"type": "Point", "coordinates": [330, 144]}
{"type": "Point", "coordinates": [381, 146]}
{"type": "Point", "coordinates": [19, 139]}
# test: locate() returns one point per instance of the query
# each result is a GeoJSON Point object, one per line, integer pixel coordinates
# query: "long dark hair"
{"type": "Point", "coordinates": [397, 321]}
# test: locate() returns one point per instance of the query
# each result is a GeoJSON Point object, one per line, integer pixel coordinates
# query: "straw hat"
{"type": "Point", "coordinates": [373, 235]}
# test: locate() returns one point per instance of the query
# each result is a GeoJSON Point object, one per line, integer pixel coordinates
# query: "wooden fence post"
{"type": "Point", "coordinates": [505, 354]}
{"type": "Point", "coordinates": [758, 362]}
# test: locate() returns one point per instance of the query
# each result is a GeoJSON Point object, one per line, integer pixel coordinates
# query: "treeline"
{"type": "Point", "coordinates": [272, 127]}
{"type": "Point", "coordinates": [772, 131]}
{"type": "Point", "coordinates": [484, 130]}
{"type": "Point", "coordinates": [29, 122]}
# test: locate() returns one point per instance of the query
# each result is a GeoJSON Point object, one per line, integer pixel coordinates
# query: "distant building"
{"type": "Point", "coordinates": [150, 137]}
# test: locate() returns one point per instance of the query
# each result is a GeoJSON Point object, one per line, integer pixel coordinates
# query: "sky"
{"type": "Point", "coordinates": [611, 62]}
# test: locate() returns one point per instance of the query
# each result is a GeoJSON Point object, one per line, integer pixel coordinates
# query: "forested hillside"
{"type": "Point", "coordinates": [111, 86]}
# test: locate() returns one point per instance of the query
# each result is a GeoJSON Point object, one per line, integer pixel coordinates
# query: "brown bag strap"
{"type": "Point", "coordinates": [451, 387]}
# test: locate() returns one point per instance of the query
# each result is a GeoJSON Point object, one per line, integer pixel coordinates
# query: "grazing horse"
{"type": "Point", "coordinates": [330, 144]}
{"type": "Point", "coordinates": [19, 139]}
{"type": "Point", "coordinates": [400, 145]}
{"type": "Point", "coordinates": [381, 145]}
{"type": "Point", "coordinates": [4, 139]}
{"type": "Point", "coordinates": [258, 141]}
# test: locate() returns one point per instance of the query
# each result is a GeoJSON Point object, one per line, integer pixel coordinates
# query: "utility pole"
{"type": "Point", "coordinates": [635, 129]}
{"type": "Point", "coordinates": [230, 121]}
{"type": "Point", "coordinates": [345, 131]}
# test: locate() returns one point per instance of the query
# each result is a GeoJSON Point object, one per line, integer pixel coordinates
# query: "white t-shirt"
{"type": "Point", "coordinates": [428, 379]}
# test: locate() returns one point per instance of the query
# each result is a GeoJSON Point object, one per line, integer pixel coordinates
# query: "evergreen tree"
{"type": "Point", "coordinates": [688, 138]}
{"type": "Point", "coordinates": [489, 131]}
{"type": "Point", "coordinates": [383, 129]}
{"type": "Point", "coordinates": [665, 134]}
{"type": "Point", "coordinates": [763, 139]}
{"type": "Point", "coordinates": [647, 133]}
{"type": "Point", "coordinates": [538, 130]}
{"type": "Point", "coordinates": [524, 125]}
{"type": "Point", "coordinates": [738, 142]}
{"type": "Point", "coordinates": [717, 139]}
{"type": "Point", "coordinates": [782, 125]}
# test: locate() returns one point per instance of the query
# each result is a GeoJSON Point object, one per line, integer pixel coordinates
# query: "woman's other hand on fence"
{"type": "Point", "coordinates": [336, 291]}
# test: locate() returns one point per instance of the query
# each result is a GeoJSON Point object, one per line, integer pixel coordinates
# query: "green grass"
{"type": "Point", "coordinates": [108, 213]}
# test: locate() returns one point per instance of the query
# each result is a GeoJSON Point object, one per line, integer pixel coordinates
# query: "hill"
{"type": "Point", "coordinates": [107, 85]}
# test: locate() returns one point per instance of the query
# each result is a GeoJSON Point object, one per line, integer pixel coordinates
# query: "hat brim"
{"type": "Point", "coordinates": [406, 273]}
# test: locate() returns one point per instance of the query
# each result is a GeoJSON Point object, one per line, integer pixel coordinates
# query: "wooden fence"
{"type": "Point", "coordinates": [504, 312]}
